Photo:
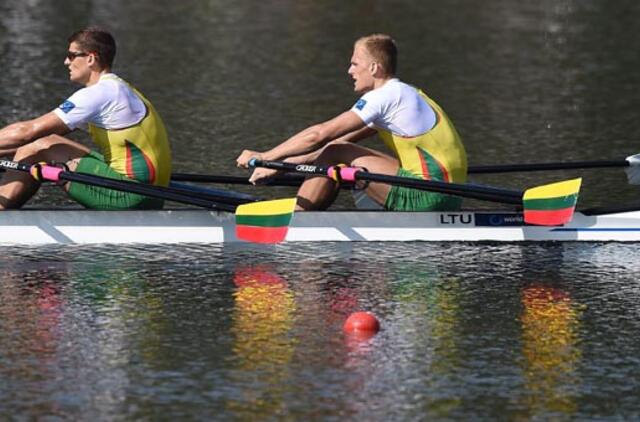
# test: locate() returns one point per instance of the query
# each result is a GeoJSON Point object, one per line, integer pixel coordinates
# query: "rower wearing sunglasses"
{"type": "Point", "coordinates": [126, 128]}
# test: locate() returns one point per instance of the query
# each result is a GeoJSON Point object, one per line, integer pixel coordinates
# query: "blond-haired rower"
{"type": "Point", "coordinates": [422, 139]}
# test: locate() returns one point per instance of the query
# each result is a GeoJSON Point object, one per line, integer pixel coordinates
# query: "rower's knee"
{"type": "Point", "coordinates": [334, 153]}
{"type": "Point", "coordinates": [36, 148]}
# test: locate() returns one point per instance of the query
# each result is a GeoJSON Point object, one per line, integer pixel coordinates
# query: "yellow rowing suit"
{"type": "Point", "coordinates": [435, 155]}
{"type": "Point", "coordinates": [140, 152]}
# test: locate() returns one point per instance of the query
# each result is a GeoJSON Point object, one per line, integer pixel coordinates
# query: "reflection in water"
{"type": "Point", "coordinates": [336, 297]}
{"type": "Point", "coordinates": [161, 334]}
{"type": "Point", "coordinates": [125, 304]}
{"type": "Point", "coordinates": [433, 303]}
{"type": "Point", "coordinates": [437, 299]}
{"type": "Point", "coordinates": [67, 335]}
{"type": "Point", "coordinates": [550, 323]}
{"type": "Point", "coordinates": [262, 319]}
{"type": "Point", "coordinates": [30, 318]}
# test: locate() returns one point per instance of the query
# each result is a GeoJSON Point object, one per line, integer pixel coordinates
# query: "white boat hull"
{"type": "Point", "coordinates": [37, 227]}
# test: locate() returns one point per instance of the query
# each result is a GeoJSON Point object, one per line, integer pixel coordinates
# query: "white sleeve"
{"type": "Point", "coordinates": [370, 107]}
{"type": "Point", "coordinates": [82, 107]}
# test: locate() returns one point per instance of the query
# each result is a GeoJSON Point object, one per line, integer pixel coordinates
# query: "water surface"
{"type": "Point", "coordinates": [494, 331]}
{"type": "Point", "coordinates": [532, 330]}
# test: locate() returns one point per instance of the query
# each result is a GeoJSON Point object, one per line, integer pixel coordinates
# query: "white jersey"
{"type": "Point", "coordinates": [396, 107]}
{"type": "Point", "coordinates": [108, 104]}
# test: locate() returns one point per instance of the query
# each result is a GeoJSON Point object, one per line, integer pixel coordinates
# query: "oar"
{"type": "Point", "coordinates": [213, 194]}
{"type": "Point", "coordinates": [184, 196]}
{"type": "Point", "coordinates": [631, 164]}
{"type": "Point", "coordinates": [293, 180]}
{"type": "Point", "coordinates": [261, 221]}
{"type": "Point", "coordinates": [551, 204]}
{"type": "Point", "coordinates": [234, 180]}
{"type": "Point", "coordinates": [266, 221]}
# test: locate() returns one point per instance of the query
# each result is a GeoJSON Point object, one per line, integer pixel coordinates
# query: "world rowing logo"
{"type": "Point", "coordinates": [360, 104]}
{"type": "Point", "coordinates": [67, 106]}
{"type": "Point", "coordinates": [499, 219]}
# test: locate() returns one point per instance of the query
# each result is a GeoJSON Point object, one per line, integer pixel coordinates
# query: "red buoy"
{"type": "Point", "coordinates": [359, 322]}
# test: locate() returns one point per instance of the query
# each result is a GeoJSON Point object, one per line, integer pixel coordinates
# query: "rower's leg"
{"type": "Point", "coordinates": [318, 193]}
{"type": "Point", "coordinates": [16, 187]}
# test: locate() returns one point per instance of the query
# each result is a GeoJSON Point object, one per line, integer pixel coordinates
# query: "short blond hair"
{"type": "Point", "coordinates": [383, 50]}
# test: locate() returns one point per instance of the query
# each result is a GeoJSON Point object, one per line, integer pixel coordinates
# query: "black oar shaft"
{"type": "Point", "coordinates": [160, 192]}
{"type": "Point", "coordinates": [234, 180]}
{"type": "Point", "coordinates": [484, 193]}
{"type": "Point", "coordinates": [436, 185]}
{"type": "Point", "coordinates": [509, 168]}
{"type": "Point", "coordinates": [137, 188]}
{"type": "Point", "coordinates": [221, 195]}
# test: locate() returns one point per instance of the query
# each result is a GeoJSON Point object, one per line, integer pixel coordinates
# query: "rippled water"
{"type": "Point", "coordinates": [532, 330]}
{"type": "Point", "coordinates": [493, 331]}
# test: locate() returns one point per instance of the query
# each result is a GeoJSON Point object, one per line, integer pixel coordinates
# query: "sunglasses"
{"type": "Point", "coordinates": [71, 55]}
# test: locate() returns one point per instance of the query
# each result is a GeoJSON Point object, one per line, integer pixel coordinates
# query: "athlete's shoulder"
{"type": "Point", "coordinates": [103, 87]}
{"type": "Point", "coordinates": [88, 95]}
{"type": "Point", "coordinates": [394, 89]}
{"type": "Point", "coordinates": [406, 88]}
{"type": "Point", "coordinates": [111, 77]}
{"type": "Point", "coordinates": [110, 81]}
{"type": "Point", "coordinates": [389, 86]}
{"type": "Point", "coordinates": [388, 90]}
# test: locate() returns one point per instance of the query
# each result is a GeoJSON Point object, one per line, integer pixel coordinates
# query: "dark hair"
{"type": "Point", "coordinates": [383, 50]}
{"type": "Point", "coordinates": [98, 41]}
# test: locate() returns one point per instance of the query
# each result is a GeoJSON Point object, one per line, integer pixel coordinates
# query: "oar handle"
{"type": "Point", "coordinates": [305, 168]}
{"type": "Point", "coordinates": [342, 173]}
{"type": "Point", "coordinates": [282, 165]}
{"type": "Point", "coordinates": [483, 193]}
{"type": "Point", "coordinates": [14, 165]}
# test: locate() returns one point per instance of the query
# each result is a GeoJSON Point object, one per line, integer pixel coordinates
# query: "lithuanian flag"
{"type": "Point", "coordinates": [551, 205]}
{"type": "Point", "coordinates": [264, 222]}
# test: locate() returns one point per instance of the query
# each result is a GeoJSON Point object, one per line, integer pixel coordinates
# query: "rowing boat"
{"type": "Point", "coordinates": [548, 214]}
{"type": "Point", "coordinates": [76, 226]}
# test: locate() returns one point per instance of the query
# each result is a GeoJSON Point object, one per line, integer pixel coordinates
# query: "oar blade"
{"type": "Point", "coordinates": [633, 171]}
{"type": "Point", "coordinates": [552, 204]}
{"type": "Point", "coordinates": [265, 221]}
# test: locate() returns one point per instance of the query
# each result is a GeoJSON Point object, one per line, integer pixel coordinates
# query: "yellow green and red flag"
{"type": "Point", "coordinates": [551, 204]}
{"type": "Point", "coordinates": [264, 222]}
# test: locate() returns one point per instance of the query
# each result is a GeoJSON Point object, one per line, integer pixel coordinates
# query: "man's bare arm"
{"type": "Point", "coordinates": [18, 134]}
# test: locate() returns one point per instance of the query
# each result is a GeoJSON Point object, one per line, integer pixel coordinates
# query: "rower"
{"type": "Point", "coordinates": [423, 140]}
{"type": "Point", "coordinates": [128, 131]}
